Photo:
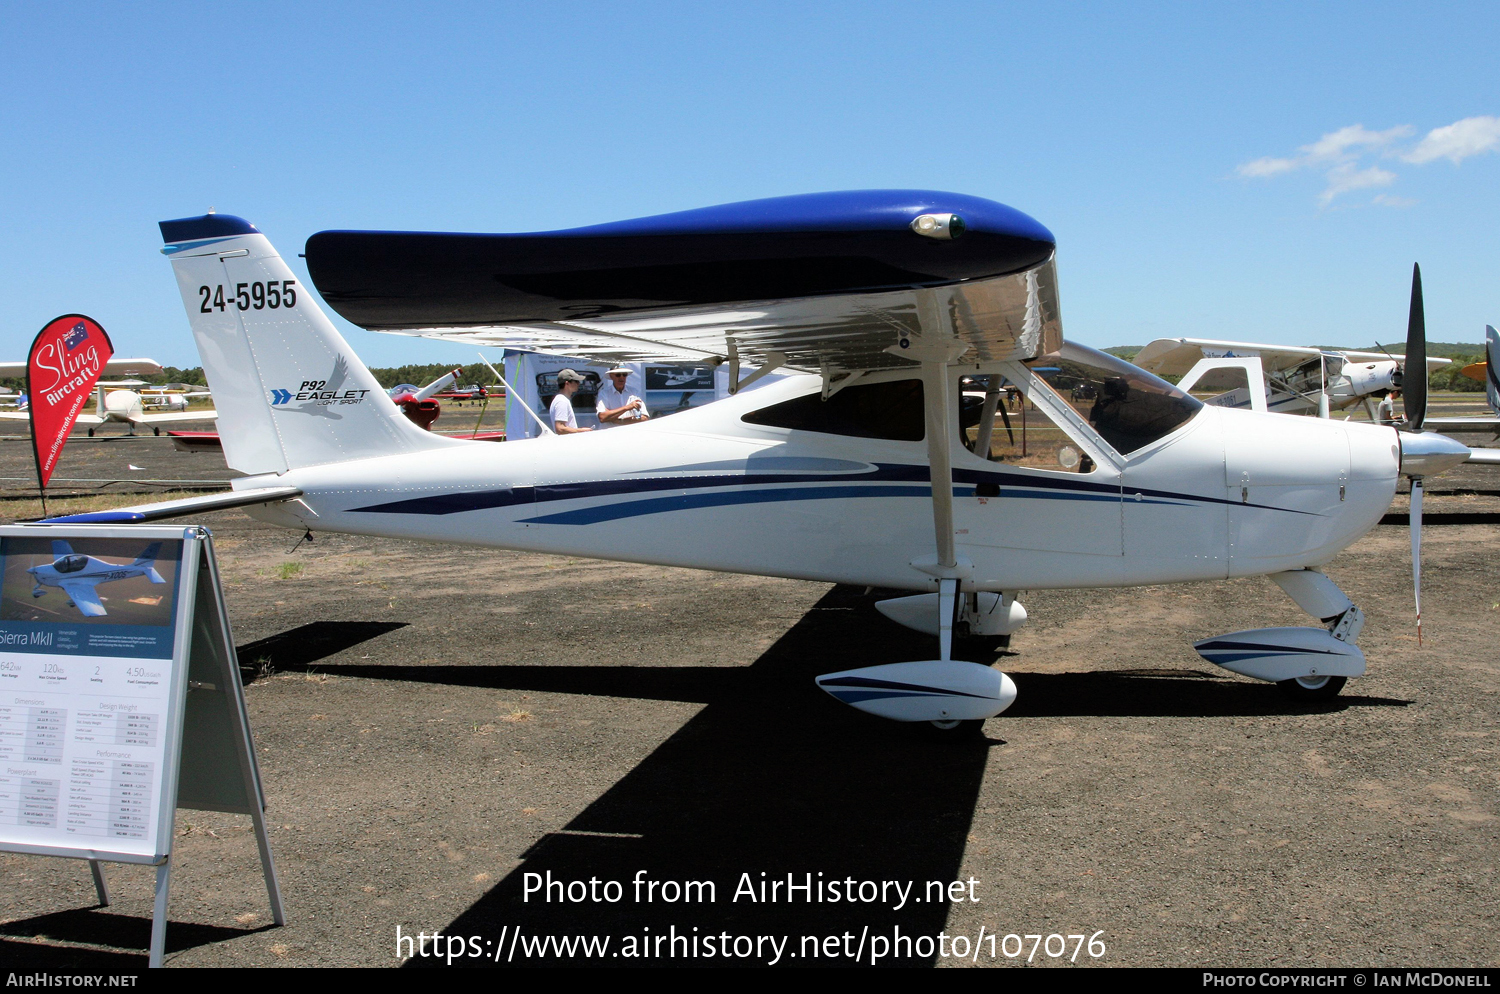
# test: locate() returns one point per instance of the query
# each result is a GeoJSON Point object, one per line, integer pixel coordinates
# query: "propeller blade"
{"type": "Point", "coordinates": [1414, 375]}
{"type": "Point", "coordinates": [1416, 550]}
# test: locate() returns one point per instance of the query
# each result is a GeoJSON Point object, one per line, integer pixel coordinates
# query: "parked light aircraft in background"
{"type": "Point", "coordinates": [1293, 380]}
{"type": "Point", "coordinates": [1485, 372]}
{"type": "Point", "coordinates": [867, 470]}
{"type": "Point", "coordinates": [78, 575]}
{"type": "Point", "coordinates": [1298, 380]}
{"type": "Point", "coordinates": [151, 407]}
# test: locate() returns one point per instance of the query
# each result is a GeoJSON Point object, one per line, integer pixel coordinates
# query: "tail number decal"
{"type": "Point", "coordinates": [248, 296]}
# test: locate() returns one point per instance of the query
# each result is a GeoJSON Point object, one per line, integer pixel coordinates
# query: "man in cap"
{"type": "Point", "coordinates": [564, 421]}
{"type": "Point", "coordinates": [616, 405]}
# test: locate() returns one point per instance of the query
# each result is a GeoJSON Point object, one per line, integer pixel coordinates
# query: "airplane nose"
{"type": "Point", "coordinates": [1426, 453]}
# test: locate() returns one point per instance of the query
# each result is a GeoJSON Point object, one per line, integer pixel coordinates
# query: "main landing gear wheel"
{"type": "Point", "coordinates": [1313, 688]}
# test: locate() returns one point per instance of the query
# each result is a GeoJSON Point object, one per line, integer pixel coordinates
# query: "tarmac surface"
{"type": "Point", "coordinates": [435, 723]}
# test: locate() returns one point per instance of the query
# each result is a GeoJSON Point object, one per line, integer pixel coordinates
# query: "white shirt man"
{"type": "Point", "coordinates": [1385, 411]}
{"type": "Point", "coordinates": [617, 405]}
{"type": "Point", "coordinates": [564, 421]}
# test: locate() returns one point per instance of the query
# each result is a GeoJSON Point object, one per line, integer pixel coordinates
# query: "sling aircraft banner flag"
{"type": "Point", "coordinates": [65, 362]}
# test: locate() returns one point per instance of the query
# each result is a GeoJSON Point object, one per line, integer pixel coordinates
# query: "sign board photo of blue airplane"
{"type": "Point", "coordinates": [79, 576]}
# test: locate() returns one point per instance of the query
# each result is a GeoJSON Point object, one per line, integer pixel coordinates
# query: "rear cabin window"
{"type": "Point", "coordinates": [875, 410]}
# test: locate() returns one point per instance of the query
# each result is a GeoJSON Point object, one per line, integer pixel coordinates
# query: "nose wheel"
{"type": "Point", "coordinates": [1312, 688]}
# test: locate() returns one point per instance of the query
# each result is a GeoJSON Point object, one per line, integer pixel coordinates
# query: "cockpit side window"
{"type": "Point", "coordinates": [71, 564]}
{"type": "Point", "coordinates": [1129, 407]}
{"type": "Point", "coordinates": [890, 410]}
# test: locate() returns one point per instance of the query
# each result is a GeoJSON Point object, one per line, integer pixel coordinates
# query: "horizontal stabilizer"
{"type": "Point", "coordinates": [178, 508]}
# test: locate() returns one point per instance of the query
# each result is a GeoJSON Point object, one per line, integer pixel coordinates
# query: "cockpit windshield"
{"type": "Point", "coordinates": [1126, 405]}
{"type": "Point", "coordinates": [70, 564]}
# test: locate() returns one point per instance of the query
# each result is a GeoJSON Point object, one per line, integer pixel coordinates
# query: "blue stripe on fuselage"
{"type": "Point", "coordinates": [713, 492]}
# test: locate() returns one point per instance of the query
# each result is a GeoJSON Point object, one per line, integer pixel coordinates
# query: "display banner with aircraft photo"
{"type": "Point", "coordinates": [67, 359]}
{"type": "Point", "coordinates": [86, 645]}
{"type": "Point", "coordinates": [102, 597]}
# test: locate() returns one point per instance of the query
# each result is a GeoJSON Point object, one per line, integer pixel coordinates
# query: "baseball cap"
{"type": "Point", "coordinates": [568, 375]}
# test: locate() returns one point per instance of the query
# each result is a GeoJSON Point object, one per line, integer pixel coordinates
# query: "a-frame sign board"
{"type": "Point", "coordinates": [120, 699]}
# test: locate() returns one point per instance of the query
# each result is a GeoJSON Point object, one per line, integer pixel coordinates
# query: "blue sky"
{"type": "Point", "coordinates": [1199, 163]}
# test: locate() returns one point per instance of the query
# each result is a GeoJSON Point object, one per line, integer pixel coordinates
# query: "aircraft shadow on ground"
{"type": "Point", "coordinates": [1431, 518]}
{"type": "Point", "coordinates": [1163, 694]}
{"type": "Point", "coordinates": [772, 777]}
{"type": "Point", "coordinates": [127, 938]}
{"type": "Point", "coordinates": [1140, 693]}
{"type": "Point", "coordinates": [297, 649]}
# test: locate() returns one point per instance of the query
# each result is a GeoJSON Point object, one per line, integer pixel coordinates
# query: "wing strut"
{"type": "Point", "coordinates": [940, 459]}
{"type": "Point", "coordinates": [774, 361]}
{"type": "Point", "coordinates": [511, 392]}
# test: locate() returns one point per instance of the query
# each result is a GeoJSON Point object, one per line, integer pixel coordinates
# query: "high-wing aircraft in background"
{"type": "Point", "coordinates": [1298, 380]}
{"type": "Point", "coordinates": [79, 576]}
{"type": "Point", "coordinates": [1294, 380]}
{"type": "Point", "coordinates": [867, 470]}
{"type": "Point", "coordinates": [126, 403]}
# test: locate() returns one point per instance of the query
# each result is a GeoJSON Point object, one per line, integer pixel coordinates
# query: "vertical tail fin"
{"type": "Point", "coordinates": [289, 390]}
{"type": "Point", "coordinates": [1492, 369]}
{"type": "Point", "coordinates": [148, 556]}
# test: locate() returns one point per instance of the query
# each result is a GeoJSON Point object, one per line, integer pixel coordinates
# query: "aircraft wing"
{"type": "Point", "coordinates": [151, 419]}
{"type": "Point", "coordinates": [1175, 356]}
{"type": "Point", "coordinates": [84, 597]}
{"type": "Point", "coordinates": [114, 367]}
{"type": "Point", "coordinates": [1433, 362]}
{"type": "Point", "coordinates": [180, 508]}
{"type": "Point", "coordinates": [1480, 422]}
{"type": "Point", "coordinates": [83, 419]}
{"type": "Point", "coordinates": [828, 281]}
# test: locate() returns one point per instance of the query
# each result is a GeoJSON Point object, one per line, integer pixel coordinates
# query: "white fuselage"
{"type": "Point", "coordinates": [1229, 493]}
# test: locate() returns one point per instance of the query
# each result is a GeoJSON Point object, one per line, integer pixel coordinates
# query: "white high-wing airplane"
{"type": "Point", "coordinates": [78, 575]}
{"type": "Point", "coordinates": [864, 471]}
{"type": "Point", "coordinates": [1298, 380]}
{"type": "Point", "coordinates": [125, 404]}
{"type": "Point", "coordinates": [1294, 380]}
